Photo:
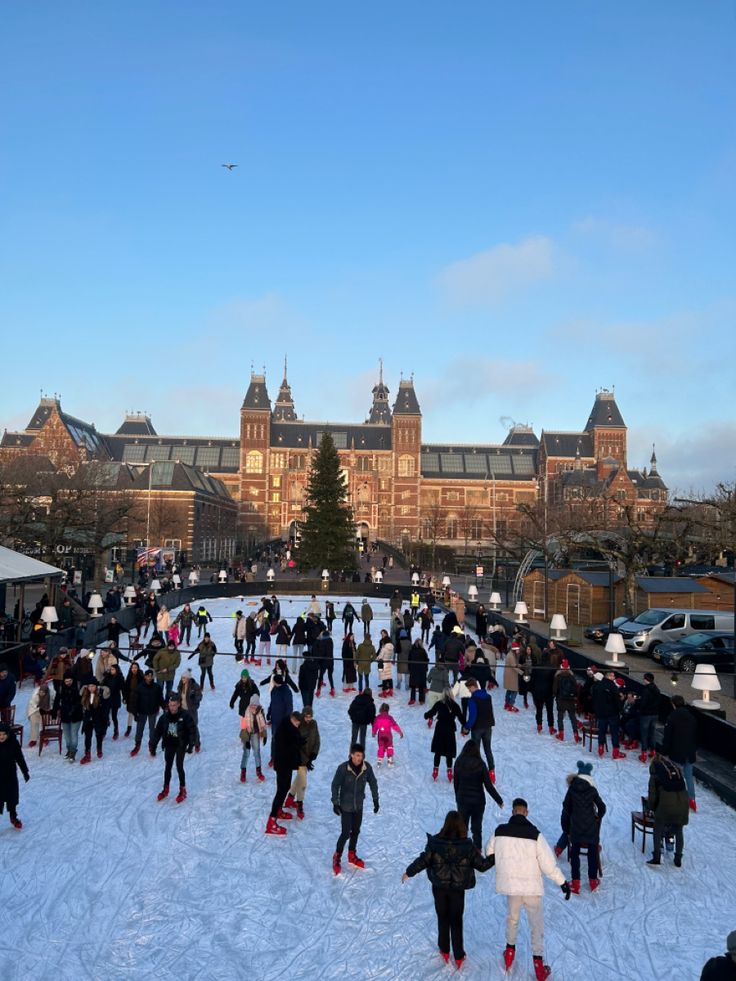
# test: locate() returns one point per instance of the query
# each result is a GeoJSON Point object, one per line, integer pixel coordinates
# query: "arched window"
{"type": "Point", "coordinates": [452, 526]}
{"type": "Point", "coordinates": [254, 462]}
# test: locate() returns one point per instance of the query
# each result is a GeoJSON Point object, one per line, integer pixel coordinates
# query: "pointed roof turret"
{"type": "Point", "coordinates": [653, 463]}
{"type": "Point", "coordinates": [406, 403]}
{"type": "Point", "coordinates": [283, 409]}
{"type": "Point", "coordinates": [605, 413]}
{"type": "Point", "coordinates": [380, 410]}
{"type": "Point", "coordinates": [257, 395]}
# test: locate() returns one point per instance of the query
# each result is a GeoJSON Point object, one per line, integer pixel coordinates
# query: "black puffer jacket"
{"type": "Point", "coordinates": [606, 701]}
{"type": "Point", "coordinates": [362, 710]}
{"type": "Point", "coordinates": [649, 700]}
{"type": "Point", "coordinates": [150, 699]}
{"type": "Point", "coordinates": [471, 781]}
{"type": "Point", "coordinates": [680, 739]}
{"type": "Point", "coordinates": [582, 811]}
{"type": "Point", "coordinates": [287, 746]}
{"type": "Point", "coordinates": [451, 863]}
{"type": "Point", "coordinates": [68, 702]}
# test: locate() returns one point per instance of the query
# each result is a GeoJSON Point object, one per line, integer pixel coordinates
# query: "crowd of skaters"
{"type": "Point", "coordinates": [454, 687]}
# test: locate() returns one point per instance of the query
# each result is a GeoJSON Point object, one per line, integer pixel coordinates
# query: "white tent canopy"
{"type": "Point", "coordinates": [16, 567]}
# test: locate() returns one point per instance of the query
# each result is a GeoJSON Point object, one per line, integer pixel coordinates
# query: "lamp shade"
{"type": "Point", "coordinates": [49, 615]}
{"type": "Point", "coordinates": [270, 575]}
{"type": "Point", "coordinates": [176, 579]}
{"type": "Point", "coordinates": [445, 581]}
{"type": "Point", "coordinates": [705, 678]}
{"type": "Point", "coordinates": [473, 593]}
{"type": "Point", "coordinates": [155, 586]}
{"type": "Point", "coordinates": [521, 611]}
{"type": "Point", "coordinates": [615, 644]}
{"type": "Point", "coordinates": [558, 622]}
{"type": "Point", "coordinates": [325, 573]}
{"type": "Point", "coordinates": [495, 601]}
{"type": "Point", "coordinates": [415, 577]}
{"type": "Point", "coordinates": [379, 576]}
{"type": "Point", "coordinates": [129, 594]}
{"type": "Point", "coordinates": [95, 604]}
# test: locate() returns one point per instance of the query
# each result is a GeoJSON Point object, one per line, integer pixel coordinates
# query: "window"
{"type": "Point", "coordinates": [452, 527]}
{"type": "Point", "coordinates": [675, 622]}
{"type": "Point", "coordinates": [208, 456]}
{"type": "Point", "coordinates": [184, 454]}
{"type": "Point", "coordinates": [276, 480]}
{"type": "Point", "coordinates": [699, 621]}
{"type": "Point", "coordinates": [451, 462]}
{"type": "Point", "coordinates": [276, 497]}
{"type": "Point", "coordinates": [406, 466]}
{"type": "Point", "coordinates": [364, 464]}
{"type": "Point", "coordinates": [298, 462]}
{"type": "Point", "coordinates": [278, 461]}
{"type": "Point", "coordinates": [254, 462]}
{"type": "Point", "coordinates": [230, 457]}
{"type": "Point", "coordinates": [431, 462]}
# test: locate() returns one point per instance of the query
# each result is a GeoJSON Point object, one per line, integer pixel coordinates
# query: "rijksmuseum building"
{"type": "Point", "coordinates": [399, 486]}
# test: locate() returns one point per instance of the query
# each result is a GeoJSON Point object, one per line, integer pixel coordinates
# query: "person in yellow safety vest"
{"type": "Point", "coordinates": [414, 604]}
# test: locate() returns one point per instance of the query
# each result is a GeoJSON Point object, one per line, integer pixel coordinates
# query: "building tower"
{"type": "Point", "coordinates": [406, 442]}
{"type": "Point", "coordinates": [607, 429]}
{"type": "Point", "coordinates": [283, 407]}
{"type": "Point", "coordinates": [255, 437]}
{"type": "Point", "coordinates": [380, 410]}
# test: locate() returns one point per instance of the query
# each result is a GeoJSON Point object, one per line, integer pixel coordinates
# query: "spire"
{"type": "Point", "coordinates": [653, 462]}
{"type": "Point", "coordinates": [380, 410]}
{"type": "Point", "coordinates": [283, 409]}
{"type": "Point", "coordinates": [407, 403]}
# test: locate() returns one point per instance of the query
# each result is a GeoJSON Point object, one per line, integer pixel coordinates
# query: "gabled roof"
{"type": "Point", "coordinates": [520, 435]}
{"type": "Point", "coordinates": [257, 395]}
{"type": "Point", "coordinates": [17, 439]}
{"type": "Point", "coordinates": [605, 413]}
{"type": "Point", "coordinates": [567, 445]}
{"type": "Point", "coordinates": [406, 403]}
{"type": "Point", "coordinates": [179, 476]}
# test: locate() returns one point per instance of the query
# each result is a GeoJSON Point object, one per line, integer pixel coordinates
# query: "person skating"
{"type": "Point", "coordinates": [239, 634]}
{"type": "Point", "coordinates": [176, 732]}
{"type": "Point", "coordinates": [202, 618]}
{"type": "Point", "coordinates": [205, 652]}
{"type": "Point", "coordinates": [450, 860]}
{"type": "Point", "coordinates": [385, 659]}
{"type": "Point", "coordinates": [512, 674]}
{"type": "Point", "coordinates": [722, 968]}
{"type": "Point", "coordinates": [541, 686]}
{"type": "Point", "coordinates": [133, 678]}
{"type": "Point", "coordinates": [348, 795]}
{"type": "Point", "coordinates": [668, 800]}
{"type": "Point", "coordinates": [190, 694]}
{"type": "Point", "coordinates": [384, 728]}
{"type": "Point", "coordinates": [349, 675]}
{"type": "Point", "coordinates": [522, 856]}
{"type": "Point", "coordinates": [308, 677]}
{"type": "Point", "coordinates": [299, 641]}
{"type": "Point", "coordinates": [365, 656]}
{"type": "Point", "coordinates": [286, 748]}
{"type": "Point", "coordinates": [243, 691]}
{"type": "Point", "coordinates": [471, 782]}
{"type": "Point", "coordinates": [418, 666]}
{"type": "Point", "coordinates": [323, 651]}
{"type": "Point", "coordinates": [251, 635]}
{"type": "Point", "coordinates": [648, 700]}
{"type": "Point", "coordinates": [366, 615]}
{"type": "Point", "coordinates": [582, 813]}
{"type": "Point", "coordinates": [280, 707]}
{"type": "Point", "coordinates": [185, 620]}
{"type": "Point", "coordinates": [309, 731]}
{"type": "Point", "coordinates": [149, 702]}
{"type": "Point", "coordinates": [447, 712]}
{"type": "Point", "coordinates": [253, 735]}
{"type": "Point", "coordinates": [114, 682]}
{"type": "Point", "coordinates": [565, 691]}
{"type": "Point", "coordinates": [329, 615]}
{"type": "Point", "coordinates": [362, 712]}
{"type": "Point", "coordinates": [68, 706]}
{"type": "Point", "coordinates": [606, 708]}
{"type": "Point", "coordinates": [280, 667]}
{"type": "Point", "coordinates": [11, 760]}
{"type": "Point", "coordinates": [680, 743]}
{"type": "Point", "coordinates": [165, 663]}
{"type": "Point", "coordinates": [480, 722]}
{"type": "Point", "coordinates": [40, 701]}
{"type": "Point", "coordinates": [348, 617]}
{"type": "Point", "coordinates": [95, 717]}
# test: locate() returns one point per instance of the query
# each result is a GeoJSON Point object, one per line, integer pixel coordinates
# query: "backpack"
{"type": "Point", "coordinates": [567, 687]}
{"type": "Point", "coordinates": [670, 777]}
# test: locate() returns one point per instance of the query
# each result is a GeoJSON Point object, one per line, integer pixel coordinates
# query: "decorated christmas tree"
{"type": "Point", "coordinates": [328, 529]}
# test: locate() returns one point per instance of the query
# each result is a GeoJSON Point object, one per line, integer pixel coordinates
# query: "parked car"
{"type": "Point", "coordinates": [658, 625]}
{"type": "Point", "coordinates": [598, 632]}
{"type": "Point", "coordinates": [700, 648]}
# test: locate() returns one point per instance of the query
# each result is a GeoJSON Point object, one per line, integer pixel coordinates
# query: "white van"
{"type": "Point", "coordinates": [661, 626]}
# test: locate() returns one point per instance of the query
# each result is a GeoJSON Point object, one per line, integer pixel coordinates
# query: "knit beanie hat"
{"type": "Point", "coordinates": [245, 673]}
{"type": "Point", "coordinates": [254, 700]}
{"type": "Point", "coordinates": [584, 769]}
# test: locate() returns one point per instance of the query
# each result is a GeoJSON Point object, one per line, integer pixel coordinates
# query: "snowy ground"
{"type": "Point", "coordinates": [105, 883]}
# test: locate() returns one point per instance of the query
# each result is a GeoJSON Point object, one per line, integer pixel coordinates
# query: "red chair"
{"type": "Point", "coordinates": [50, 730]}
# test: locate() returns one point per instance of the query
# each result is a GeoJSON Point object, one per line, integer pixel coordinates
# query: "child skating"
{"type": "Point", "coordinates": [384, 727]}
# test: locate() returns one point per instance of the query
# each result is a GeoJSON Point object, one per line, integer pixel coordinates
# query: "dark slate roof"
{"type": "Point", "coordinates": [478, 462]}
{"type": "Point", "coordinates": [651, 481]}
{"type": "Point", "coordinates": [669, 584]}
{"type": "Point", "coordinates": [178, 476]}
{"type": "Point", "coordinates": [218, 454]}
{"type": "Point", "coordinates": [17, 439]}
{"type": "Point", "coordinates": [283, 408]}
{"type": "Point", "coordinates": [42, 413]}
{"type": "Point", "coordinates": [380, 410]}
{"type": "Point", "coordinates": [568, 444]}
{"type": "Point", "coordinates": [300, 435]}
{"type": "Point", "coordinates": [521, 436]}
{"type": "Point", "coordinates": [137, 424]}
{"type": "Point", "coordinates": [257, 395]}
{"type": "Point", "coordinates": [406, 403]}
{"type": "Point", "coordinates": [605, 413]}
{"type": "Point", "coordinates": [586, 477]}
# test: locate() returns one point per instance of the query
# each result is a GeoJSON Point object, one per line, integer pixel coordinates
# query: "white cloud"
{"type": "Point", "coordinates": [622, 237]}
{"type": "Point", "coordinates": [488, 277]}
{"type": "Point", "coordinates": [692, 461]}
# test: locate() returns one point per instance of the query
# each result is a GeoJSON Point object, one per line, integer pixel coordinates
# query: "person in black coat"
{"type": "Point", "coordinates": [177, 733]}
{"type": "Point", "coordinates": [447, 712]}
{"type": "Point", "coordinates": [349, 674]}
{"type": "Point", "coordinates": [582, 813]}
{"type": "Point", "coordinates": [472, 782]}
{"type": "Point", "coordinates": [722, 968]}
{"type": "Point", "coordinates": [323, 650]}
{"type": "Point", "coordinates": [418, 667]}
{"type": "Point", "coordinates": [95, 717]}
{"type": "Point", "coordinates": [648, 703]}
{"type": "Point", "coordinates": [680, 743]}
{"type": "Point", "coordinates": [541, 686]}
{"type": "Point", "coordinates": [451, 861]}
{"type": "Point", "coordinates": [114, 681]}
{"type": "Point", "coordinates": [481, 622]}
{"type": "Point", "coordinates": [11, 760]}
{"type": "Point", "coordinates": [606, 708]}
{"type": "Point", "coordinates": [243, 692]}
{"type": "Point", "coordinates": [286, 748]}
{"type": "Point", "coordinates": [308, 676]}
{"type": "Point", "coordinates": [362, 712]}
{"type": "Point", "coordinates": [149, 702]}
{"type": "Point", "coordinates": [68, 706]}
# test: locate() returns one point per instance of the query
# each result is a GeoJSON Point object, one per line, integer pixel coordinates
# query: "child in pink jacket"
{"type": "Point", "coordinates": [384, 727]}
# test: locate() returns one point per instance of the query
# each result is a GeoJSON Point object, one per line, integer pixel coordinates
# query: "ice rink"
{"type": "Point", "coordinates": [103, 882]}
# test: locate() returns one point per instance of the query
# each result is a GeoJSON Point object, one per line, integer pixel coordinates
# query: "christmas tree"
{"type": "Point", "coordinates": [328, 529]}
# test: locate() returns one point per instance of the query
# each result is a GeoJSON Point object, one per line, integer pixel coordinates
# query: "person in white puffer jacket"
{"type": "Point", "coordinates": [522, 858]}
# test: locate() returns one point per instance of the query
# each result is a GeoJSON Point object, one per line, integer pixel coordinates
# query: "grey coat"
{"type": "Point", "coordinates": [348, 789]}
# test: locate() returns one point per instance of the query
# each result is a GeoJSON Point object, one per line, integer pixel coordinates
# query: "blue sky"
{"type": "Point", "coordinates": [518, 202]}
